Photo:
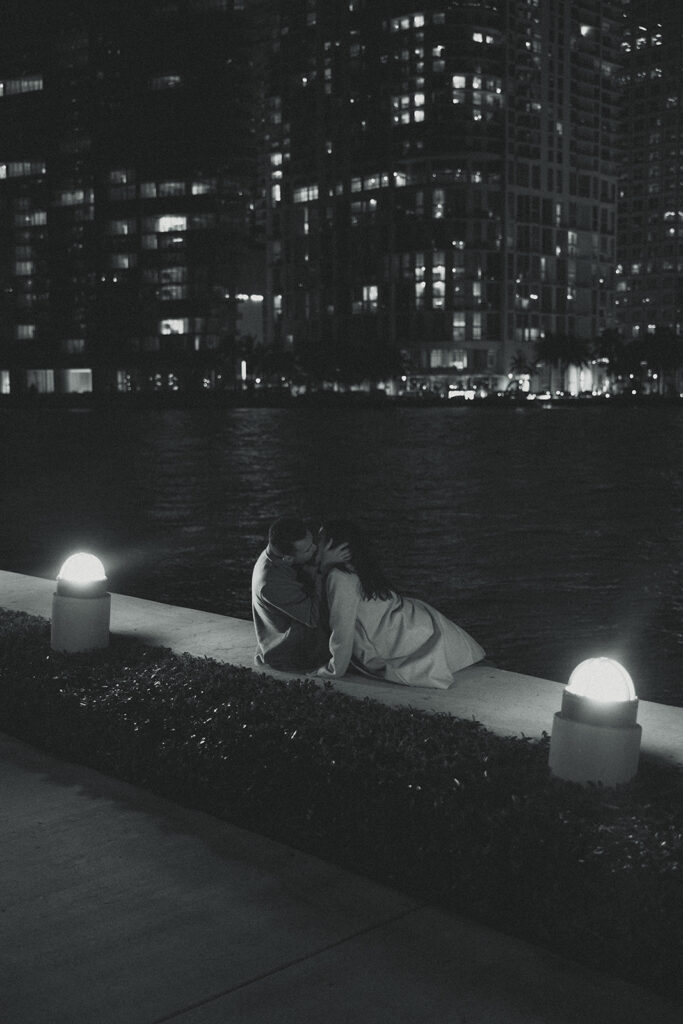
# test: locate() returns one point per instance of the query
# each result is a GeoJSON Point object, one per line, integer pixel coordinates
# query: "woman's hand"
{"type": "Point", "coordinates": [328, 556]}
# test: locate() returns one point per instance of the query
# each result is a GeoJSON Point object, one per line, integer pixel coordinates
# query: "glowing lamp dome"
{"type": "Point", "coordinates": [602, 679]}
{"type": "Point", "coordinates": [80, 606]}
{"type": "Point", "coordinates": [82, 568]}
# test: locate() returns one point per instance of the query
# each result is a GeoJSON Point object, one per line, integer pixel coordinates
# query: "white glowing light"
{"type": "Point", "coordinates": [82, 568]}
{"type": "Point", "coordinates": [602, 679]}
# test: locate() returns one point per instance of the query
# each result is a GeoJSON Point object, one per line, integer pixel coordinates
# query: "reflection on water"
{"type": "Point", "coordinates": [551, 535]}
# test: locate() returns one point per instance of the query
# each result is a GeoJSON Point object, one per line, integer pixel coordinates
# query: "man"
{"type": "Point", "coordinates": [287, 598]}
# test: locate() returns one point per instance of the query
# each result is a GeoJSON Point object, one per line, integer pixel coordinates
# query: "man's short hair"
{"type": "Point", "coordinates": [285, 532]}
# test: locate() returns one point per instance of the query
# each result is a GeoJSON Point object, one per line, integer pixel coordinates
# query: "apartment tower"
{"type": "Point", "coordinates": [441, 183]}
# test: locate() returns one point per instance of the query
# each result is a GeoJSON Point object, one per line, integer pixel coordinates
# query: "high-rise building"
{"type": "Point", "coordinates": [442, 182]}
{"type": "Point", "coordinates": [129, 251]}
{"type": "Point", "coordinates": [650, 251]}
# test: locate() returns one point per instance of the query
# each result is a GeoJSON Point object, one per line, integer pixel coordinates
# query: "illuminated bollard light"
{"type": "Point", "coordinates": [81, 606]}
{"type": "Point", "coordinates": [595, 737]}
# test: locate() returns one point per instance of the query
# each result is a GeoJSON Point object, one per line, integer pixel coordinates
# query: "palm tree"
{"type": "Point", "coordinates": [563, 351]}
{"type": "Point", "coordinates": [610, 346]}
{"type": "Point", "coordinates": [663, 351]}
{"type": "Point", "coordinates": [520, 366]}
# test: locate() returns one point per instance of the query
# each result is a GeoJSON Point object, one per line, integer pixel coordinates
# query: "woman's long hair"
{"type": "Point", "coordinates": [372, 580]}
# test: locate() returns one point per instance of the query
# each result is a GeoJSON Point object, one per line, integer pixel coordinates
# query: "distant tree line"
{"type": "Point", "coordinates": [659, 352]}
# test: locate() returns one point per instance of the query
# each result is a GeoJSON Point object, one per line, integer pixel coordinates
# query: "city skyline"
{"type": "Point", "coordinates": [192, 192]}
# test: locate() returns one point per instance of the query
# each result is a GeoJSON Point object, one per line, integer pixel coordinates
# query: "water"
{"type": "Point", "coordinates": [550, 534]}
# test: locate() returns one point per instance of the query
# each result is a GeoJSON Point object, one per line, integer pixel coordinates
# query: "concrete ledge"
{"type": "Point", "coordinates": [507, 703]}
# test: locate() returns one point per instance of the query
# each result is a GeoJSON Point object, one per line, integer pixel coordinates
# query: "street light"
{"type": "Point", "coordinates": [595, 737]}
{"type": "Point", "coordinates": [81, 605]}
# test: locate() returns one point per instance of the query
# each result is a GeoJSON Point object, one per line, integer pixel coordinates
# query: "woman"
{"type": "Point", "coordinates": [377, 632]}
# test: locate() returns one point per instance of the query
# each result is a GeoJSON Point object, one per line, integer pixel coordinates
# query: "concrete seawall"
{"type": "Point", "coordinates": [507, 703]}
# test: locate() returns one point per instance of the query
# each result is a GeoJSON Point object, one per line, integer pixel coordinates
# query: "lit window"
{"type": "Point", "coordinates": [38, 217]}
{"type": "Point", "coordinates": [171, 188]}
{"type": "Point", "coordinates": [15, 86]}
{"type": "Point", "coordinates": [370, 295]}
{"type": "Point", "coordinates": [119, 177]}
{"type": "Point", "coordinates": [166, 82]}
{"type": "Point", "coordinates": [178, 325]}
{"type": "Point", "coordinates": [78, 381]}
{"type": "Point", "coordinates": [122, 260]}
{"type": "Point", "coordinates": [121, 227]}
{"type": "Point", "coordinates": [170, 222]}
{"type": "Point", "coordinates": [76, 197]}
{"type": "Point", "coordinates": [25, 332]}
{"type": "Point", "coordinates": [172, 275]}
{"type": "Point", "coordinates": [306, 194]}
{"type": "Point", "coordinates": [42, 381]}
{"type": "Point", "coordinates": [148, 190]}
{"type": "Point", "coordinates": [172, 292]}
{"type": "Point", "coordinates": [73, 346]}
{"type": "Point", "coordinates": [21, 169]}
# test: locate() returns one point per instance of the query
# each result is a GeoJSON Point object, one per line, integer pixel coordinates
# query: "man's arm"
{"type": "Point", "coordinates": [288, 593]}
{"type": "Point", "coordinates": [293, 599]}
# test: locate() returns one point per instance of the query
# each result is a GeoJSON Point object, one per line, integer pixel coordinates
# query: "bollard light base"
{"type": "Point", "coordinates": [583, 752]}
{"type": "Point", "coordinates": [80, 623]}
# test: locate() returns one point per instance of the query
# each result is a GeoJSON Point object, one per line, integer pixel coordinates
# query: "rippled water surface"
{"type": "Point", "coordinates": [550, 534]}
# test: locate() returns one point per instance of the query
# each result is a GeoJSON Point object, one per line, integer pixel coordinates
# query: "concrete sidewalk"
{"type": "Point", "coordinates": [118, 907]}
{"type": "Point", "coordinates": [122, 908]}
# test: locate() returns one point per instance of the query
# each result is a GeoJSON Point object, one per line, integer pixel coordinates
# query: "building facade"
{"type": "Point", "coordinates": [129, 235]}
{"type": "Point", "coordinates": [441, 183]}
{"type": "Point", "coordinates": [650, 256]}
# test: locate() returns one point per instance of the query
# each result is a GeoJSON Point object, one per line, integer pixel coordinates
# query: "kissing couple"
{"type": "Point", "coordinates": [323, 607]}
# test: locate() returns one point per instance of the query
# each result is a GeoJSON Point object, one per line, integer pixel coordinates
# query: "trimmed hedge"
{"type": "Point", "coordinates": [432, 805]}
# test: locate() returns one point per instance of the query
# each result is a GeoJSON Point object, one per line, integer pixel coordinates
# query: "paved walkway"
{"type": "Point", "coordinates": [117, 907]}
